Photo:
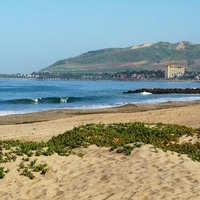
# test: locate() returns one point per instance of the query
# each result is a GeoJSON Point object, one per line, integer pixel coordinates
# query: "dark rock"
{"type": "Point", "coordinates": [166, 90]}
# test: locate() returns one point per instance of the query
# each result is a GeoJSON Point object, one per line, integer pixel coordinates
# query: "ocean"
{"type": "Point", "coordinates": [19, 96]}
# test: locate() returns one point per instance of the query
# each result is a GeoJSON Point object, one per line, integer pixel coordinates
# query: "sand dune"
{"type": "Point", "coordinates": [147, 174]}
{"type": "Point", "coordinates": [102, 174]}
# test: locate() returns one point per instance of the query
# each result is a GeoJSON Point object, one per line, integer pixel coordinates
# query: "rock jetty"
{"type": "Point", "coordinates": [166, 91]}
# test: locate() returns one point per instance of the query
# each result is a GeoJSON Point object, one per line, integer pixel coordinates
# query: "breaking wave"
{"type": "Point", "coordinates": [51, 100]}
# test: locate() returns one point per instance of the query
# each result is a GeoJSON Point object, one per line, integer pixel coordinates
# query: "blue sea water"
{"type": "Point", "coordinates": [25, 96]}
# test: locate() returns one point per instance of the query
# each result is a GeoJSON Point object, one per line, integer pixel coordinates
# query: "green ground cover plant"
{"type": "Point", "coordinates": [28, 169]}
{"type": "Point", "coordinates": [121, 137]}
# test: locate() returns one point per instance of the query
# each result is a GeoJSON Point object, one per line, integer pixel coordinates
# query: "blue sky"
{"type": "Point", "coordinates": [36, 33]}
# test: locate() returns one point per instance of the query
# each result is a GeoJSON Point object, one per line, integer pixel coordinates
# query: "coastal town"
{"type": "Point", "coordinates": [171, 73]}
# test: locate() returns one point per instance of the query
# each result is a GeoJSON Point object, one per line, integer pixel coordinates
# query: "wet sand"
{"type": "Point", "coordinates": [44, 125]}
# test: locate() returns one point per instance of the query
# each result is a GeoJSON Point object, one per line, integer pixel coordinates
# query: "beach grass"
{"type": "Point", "coordinates": [119, 137]}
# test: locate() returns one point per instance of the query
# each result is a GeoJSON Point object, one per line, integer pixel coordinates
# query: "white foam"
{"type": "Point", "coordinates": [4, 113]}
{"type": "Point", "coordinates": [63, 100]}
{"type": "Point", "coordinates": [36, 100]}
{"type": "Point", "coordinates": [89, 107]}
{"type": "Point", "coordinates": [146, 93]}
{"type": "Point", "coordinates": [163, 100]}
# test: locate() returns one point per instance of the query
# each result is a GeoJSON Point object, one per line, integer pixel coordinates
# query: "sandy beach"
{"type": "Point", "coordinates": [102, 174]}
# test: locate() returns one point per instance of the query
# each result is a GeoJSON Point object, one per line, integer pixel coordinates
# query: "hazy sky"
{"type": "Point", "coordinates": [36, 33]}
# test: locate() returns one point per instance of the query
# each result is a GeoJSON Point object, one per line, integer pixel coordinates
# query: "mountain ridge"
{"type": "Point", "coordinates": [147, 56]}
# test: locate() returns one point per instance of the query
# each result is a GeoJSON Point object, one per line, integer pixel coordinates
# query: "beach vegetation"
{"type": "Point", "coordinates": [2, 173]}
{"type": "Point", "coordinates": [28, 169]}
{"type": "Point", "coordinates": [28, 173]}
{"type": "Point", "coordinates": [120, 137]}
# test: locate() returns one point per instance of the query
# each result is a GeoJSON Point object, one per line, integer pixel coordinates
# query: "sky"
{"type": "Point", "coordinates": [34, 34]}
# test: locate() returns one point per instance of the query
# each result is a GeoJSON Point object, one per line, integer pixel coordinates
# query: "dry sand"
{"type": "Point", "coordinates": [102, 174]}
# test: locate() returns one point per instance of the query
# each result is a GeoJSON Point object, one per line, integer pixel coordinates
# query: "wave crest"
{"type": "Point", "coordinates": [51, 100]}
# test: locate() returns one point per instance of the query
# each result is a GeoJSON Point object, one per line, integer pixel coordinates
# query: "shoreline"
{"type": "Point", "coordinates": [41, 126]}
{"type": "Point", "coordinates": [55, 114]}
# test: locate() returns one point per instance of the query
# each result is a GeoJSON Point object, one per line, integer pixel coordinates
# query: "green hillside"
{"type": "Point", "coordinates": [142, 57]}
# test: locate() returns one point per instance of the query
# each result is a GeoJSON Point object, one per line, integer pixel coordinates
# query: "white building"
{"type": "Point", "coordinates": [174, 71]}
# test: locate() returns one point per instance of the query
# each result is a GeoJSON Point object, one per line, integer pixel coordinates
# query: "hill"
{"type": "Point", "coordinates": [140, 57]}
